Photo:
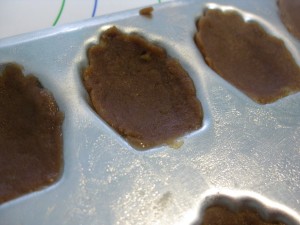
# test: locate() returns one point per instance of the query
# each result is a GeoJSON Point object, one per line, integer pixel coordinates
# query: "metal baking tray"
{"type": "Point", "coordinates": [245, 152]}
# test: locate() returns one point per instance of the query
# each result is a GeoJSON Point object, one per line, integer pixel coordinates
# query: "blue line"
{"type": "Point", "coordinates": [95, 7]}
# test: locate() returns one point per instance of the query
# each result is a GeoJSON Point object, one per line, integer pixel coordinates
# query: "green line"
{"type": "Point", "coordinates": [59, 13]}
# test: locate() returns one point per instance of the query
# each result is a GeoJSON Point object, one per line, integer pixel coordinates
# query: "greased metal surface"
{"type": "Point", "coordinates": [243, 151]}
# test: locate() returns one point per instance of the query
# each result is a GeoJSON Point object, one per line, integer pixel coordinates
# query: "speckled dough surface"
{"type": "Point", "coordinates": [30, 135]}
{"type": "Point", "coordinates": [246, 56]}
{"type": "Point", "coordinates": [146, 96]}
{"type": "Point", "coordinates": [219, 215]}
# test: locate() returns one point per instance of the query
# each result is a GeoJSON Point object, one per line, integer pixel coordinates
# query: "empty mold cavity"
{"type": "Point", "coordinates": [141, 92]}
{"type": "Point", "coordinates": [247, 208]}
{"type": "Point", "coordinates": [239, 50]}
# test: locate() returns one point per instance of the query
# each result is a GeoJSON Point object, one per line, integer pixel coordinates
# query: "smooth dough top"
{"type": "Point", "coordinates": [146, 96]}
{"type": "Point", "coordinates": [247, 56]}
{"type": "Point", "coordinates": [289, 12]}
{"type": "Point", "coordinates": [30, 135]}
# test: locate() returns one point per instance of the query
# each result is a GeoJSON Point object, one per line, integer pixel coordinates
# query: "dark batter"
{"type": "Point", "coordinates": [146, 96]}
{"type": "Point", "coordinates": [219, 215]}
{"type": "Point", "coordinates": [146, 11]}
{"type": "Point", "coordinates": [30, 135]}
{"type": "Point", "coordinates": [246, 56]}
{"type": "Point", "coordinates": [290, 15]}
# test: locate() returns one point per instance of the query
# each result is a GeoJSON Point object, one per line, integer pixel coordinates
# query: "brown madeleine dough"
{"type": "Point", "coordinates": [290, 15]}
{"type": "Point", "coordinates": [219, 215]}
{"type": "Point", "coordinates": [246, 56]}
{"type": "Point", "coordinates": [30, 135]}
{"type": "Point", "coordinates": [146, 96]}
{"type": "Point", "coordinates": [146, 11]}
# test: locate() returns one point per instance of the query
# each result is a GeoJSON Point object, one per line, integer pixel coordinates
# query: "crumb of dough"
{"type": "Point", "coordinates": [146, 11]}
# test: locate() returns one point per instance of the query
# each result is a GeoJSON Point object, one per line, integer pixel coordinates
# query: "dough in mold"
{"type": "Point", "coordinates": [248, 57]}
{"type": "Point", "coordinates": [290, 16]}
{"type": "Point", "coordinates": [220, 215]}
{"type": "Point", "coordinates": [145, 95]}
{"type": "Point", "coordinates": [31, 142]}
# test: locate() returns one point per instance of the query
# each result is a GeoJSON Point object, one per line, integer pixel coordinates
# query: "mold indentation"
{"type": "Point", "coordinates": [245, 55]}
{"type": "Point", "coordinates": [142, 93]}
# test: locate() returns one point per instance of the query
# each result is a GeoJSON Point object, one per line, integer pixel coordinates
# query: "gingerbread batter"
{"type": "Point", "coordinates": [30, 135]}
{"type": "Point", "coordinates": [246, 56]}
{"type": "Point", "coordinates": [289, 12]}
{"type": "Point", "coordinates": [147, 12]}
{"type": "Point", "coordinates": [219, 215]}
{"type": "Point", "coordinates": [146, 96]}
